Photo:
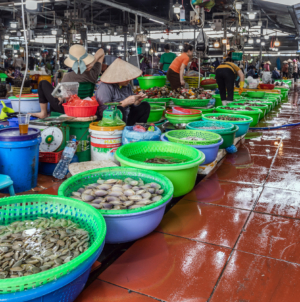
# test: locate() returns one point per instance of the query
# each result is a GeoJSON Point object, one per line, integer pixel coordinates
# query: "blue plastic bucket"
{"type": "Point", "coordinates": [64, 289]}
{"type": "Point", "coordinates": [19, 157]}
{"type": "Point", "coordinates": [210, 151]}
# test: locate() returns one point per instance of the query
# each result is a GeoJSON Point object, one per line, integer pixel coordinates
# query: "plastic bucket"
{"type": "Point", "coordinates": [105, 141]}
{"type": "Point", "coordinates": [156, 113]}
{"type": "Point", "coordinates": [19, 157]}
{"type": "Point", "coordinates": [229, 137]}
{"type": "Point", "coordinates": [81, 131]}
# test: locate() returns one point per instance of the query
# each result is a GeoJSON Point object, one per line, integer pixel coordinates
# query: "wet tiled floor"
{"type": "Point", "coordinates": [234, 237]}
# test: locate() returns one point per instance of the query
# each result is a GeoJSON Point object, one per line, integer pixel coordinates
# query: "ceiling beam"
{"type": "Point", "coordinates": [133, 11]}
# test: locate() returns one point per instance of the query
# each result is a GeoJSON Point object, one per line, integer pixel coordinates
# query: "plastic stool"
{"type": "Point", "coordinates": [5, 181]}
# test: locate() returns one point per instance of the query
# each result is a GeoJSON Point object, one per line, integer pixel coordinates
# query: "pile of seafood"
{"type": "Point", "coordinates": [118, 194]}
{"type": "Point", "coordinates": [279, 83]}
{"type": "Point", "coordinates": [164, 160]}
{"type": "Point", "coordinates": [190, 93]}
{"type": "Point", "coordinates": [238, 108]}
{"type": "Point", "coordinates": [227, 118]}
{"type": "Point", "coordinates": [32, 246]}
{"type": "Point", "coordinates": [157, 92]}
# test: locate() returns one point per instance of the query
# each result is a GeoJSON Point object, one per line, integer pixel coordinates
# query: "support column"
{"type": "Point", "coordinates": [125, 46]}
{"type": "Point", "coordinates": [260, 50]}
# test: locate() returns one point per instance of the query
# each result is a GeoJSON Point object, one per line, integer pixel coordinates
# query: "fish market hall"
{"type": "Point", "coordinates": [149, 151]}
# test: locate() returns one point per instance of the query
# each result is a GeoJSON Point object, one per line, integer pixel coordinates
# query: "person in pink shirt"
{"type": "Point", "coordinates": [267, 66]}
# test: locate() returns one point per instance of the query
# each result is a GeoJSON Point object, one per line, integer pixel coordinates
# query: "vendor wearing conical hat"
{"type": "Point", "coordinates": [86, 68]}
{"type": "Point", "coordinates": [115, 87]}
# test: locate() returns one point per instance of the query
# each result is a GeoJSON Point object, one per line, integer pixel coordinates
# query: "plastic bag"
{"type": "Point", "coordinates": [65, 90]}
{"type": "Point", "coordinates": [267, 77]}
{"type": "Point", "coordinates": [75, 100]}
{"type": "Point", "coordinates": [130, 136]}
{"type": "Point", "coordinates": [105, 122]}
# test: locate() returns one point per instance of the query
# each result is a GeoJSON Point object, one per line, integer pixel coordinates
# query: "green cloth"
{"type": "Point", "coordinates": [166, 59]}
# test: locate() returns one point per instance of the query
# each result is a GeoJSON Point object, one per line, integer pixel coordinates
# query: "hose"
{"type": "Point", "coordinates": [26, 52]}
{"type": "Point", "coordinates": [275, 127]}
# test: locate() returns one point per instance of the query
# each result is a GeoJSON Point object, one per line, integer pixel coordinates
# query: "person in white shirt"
{"type": "Point", "coordinates": [18, 62]}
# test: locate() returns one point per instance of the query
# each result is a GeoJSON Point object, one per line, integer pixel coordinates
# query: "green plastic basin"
{"type": "Point", "coordinates": [210, 86]}
{"type": "Point", "coordinates": [265, 103]}
{"type": "Point", "coordinates": [256, 94]}
{"type": "Point", "coordinates": [152, 81]}
{"type": "Point", "coordinates": [255, 114]}
{"type": "Point", "coordinates": [156, 113]}
{"type": "Point", "coordinates": [182, 175]}
{"type": "Point", "coordinates": [228, 137]}
{"type": "Point", "coordinates": [237, 97]}
{"type": "Point", "coordinates": [203, 109]}
{"type": "Point", "coordinates": [243, 125]}
{"type": "Point", "coordinates": [161, 101]}
{"type": "Point", "coordinates": [263, 108]}
{"type": "Point", "coordinates": [173, 119]}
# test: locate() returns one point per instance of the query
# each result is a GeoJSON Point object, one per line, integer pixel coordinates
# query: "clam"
{"type": "Point", "coordinates": [129, 192]}
{"type": "Point", "coordinates": [135, 197]}
{"type": "Point", "coordinates": [86, 197]}
{"type": "Point", "coordinates": [101, 193]}
{"type": "Point", "coordinates": [104, 187]}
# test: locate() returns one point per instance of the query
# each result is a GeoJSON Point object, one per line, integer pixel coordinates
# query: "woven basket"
{"type": "Point", "coordinates": [177, 136]}
{"type": "Point", "coordinates": [25, 90]}
{"type": "Point", "coordinates": [192, 81]}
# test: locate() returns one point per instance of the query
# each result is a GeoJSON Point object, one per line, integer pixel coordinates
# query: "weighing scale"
{"type": "Point", "coordinates": [54, 133]}
{"type": "Point", "coordinates": [112, 111]}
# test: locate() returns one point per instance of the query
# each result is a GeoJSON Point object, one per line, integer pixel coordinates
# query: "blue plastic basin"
{"type": "Point", "coordinates": [64, 289]}
{"type": "Point", "coordinates": [210, 151]}
{"type": "Point", "coordinates": [129, 227]}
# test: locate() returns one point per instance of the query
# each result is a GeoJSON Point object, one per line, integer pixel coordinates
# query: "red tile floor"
{"type": "Point", "coordinates": [234, 237]}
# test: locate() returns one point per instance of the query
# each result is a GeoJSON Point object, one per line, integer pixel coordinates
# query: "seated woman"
{"type": "Point", "coordinates": [86, 68]}
{"type": "Point", "coordinates": [115, 87]}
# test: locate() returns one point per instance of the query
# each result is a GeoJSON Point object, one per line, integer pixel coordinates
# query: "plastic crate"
{"type": "Point", "coordinates": [50, 157]}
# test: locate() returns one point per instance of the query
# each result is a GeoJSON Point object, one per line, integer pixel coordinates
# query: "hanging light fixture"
{"type": "Point", "coordinates": [228, 47]}
{"type": "Point", "coordinates": [245, 39]}
{"type": "Point", "coordinates": [147, 44]}
{"type": "Point", "coordinates": [156, 54]}
{"type": "Point", "coordinates": [133, 48]}
{"type": "Point", "coordinates": [251, 15]}
{"type": "Point", "coordinates": [108, 47]}
{"type": "Point", "coordinates": [258, 40]}
{"type": "Point", "coordinates": [54, 32]}
{"type": "Point", "coordinates": [263, 43]}
{"type": "Point", "coordinates": [250, 41]}
{"type": "Point", "coordinates": [216, 44]}
{"type": "Point", "coordinates": [146, 49]}
{"type": "Point", "coordinates": [162, 39]}
{"type": "Point", "coordinates": [276, 43]}
{"type": "Point", "coordinates": [13, 24]}
{"type": "Point", "coordinates": [159, 48]}
{"type": "Point", "coordinates": [266, 37]}
{"type": "Point", "coordinates": [6, 37]}
{"type": "Point", "coordinates": [224, 41]}
{"type": "Point", "coordinates": [180, 46]}
{"type": "Point", "coordinates": [177, 7]}
{"type": "Point", "coordinates": [31, 5]}
{"type": "Point", "coordinates": [119, 47]}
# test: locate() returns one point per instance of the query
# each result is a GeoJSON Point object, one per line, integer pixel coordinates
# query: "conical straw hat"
{"type": "Point", "coordinates": [120, 71]}
{"type": "Point", "coordinates": [284, 62]}
{"type": "Point", "coordinates": [290, 61]}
